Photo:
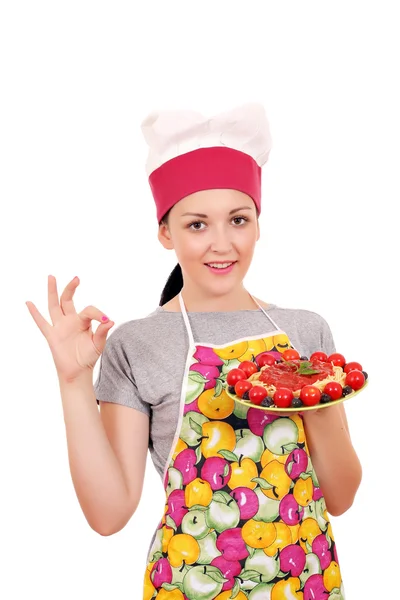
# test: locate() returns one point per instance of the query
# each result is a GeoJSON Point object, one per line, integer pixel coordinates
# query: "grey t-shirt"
{"type": "Point", "coordinates": [143, 362]}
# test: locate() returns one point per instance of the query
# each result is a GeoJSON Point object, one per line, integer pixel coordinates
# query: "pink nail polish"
{"type": "Point", "coordinates": [104, 318]}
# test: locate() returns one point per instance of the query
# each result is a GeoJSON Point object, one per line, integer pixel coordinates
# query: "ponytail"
{"type": "Point", "coordinates": [175, 280]}
{"type": "Point", "coordinates": [173, 286]}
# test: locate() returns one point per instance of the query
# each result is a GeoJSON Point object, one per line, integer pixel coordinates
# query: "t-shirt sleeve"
{"type": "Point", "coordinates": [327, 341]}
{"type": "Point", "coordinates": [115, 381]}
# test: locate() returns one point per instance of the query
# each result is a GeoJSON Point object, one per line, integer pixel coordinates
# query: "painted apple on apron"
{"type": "Point", "coordinates": [244, 515]}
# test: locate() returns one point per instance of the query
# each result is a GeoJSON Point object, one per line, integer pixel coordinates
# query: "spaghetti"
{"type": "Point", "coordinates": [257, 379]}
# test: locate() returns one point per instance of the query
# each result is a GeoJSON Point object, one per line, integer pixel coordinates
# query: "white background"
{"type": "Point", "coordinates": [76, 79]}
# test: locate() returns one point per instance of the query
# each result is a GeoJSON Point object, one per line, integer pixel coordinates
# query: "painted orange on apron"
{"type": "Point", "coordinates": [244, 515]}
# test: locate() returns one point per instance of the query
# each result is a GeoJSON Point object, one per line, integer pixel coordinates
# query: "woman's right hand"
{"type": "Point", "coordinates": [74, 346]}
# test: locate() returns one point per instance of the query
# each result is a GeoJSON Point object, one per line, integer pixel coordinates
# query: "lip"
{"type": "Point", "coordinates": [220, 262]}
{"type": "Point", "coordinates": [221, 271]}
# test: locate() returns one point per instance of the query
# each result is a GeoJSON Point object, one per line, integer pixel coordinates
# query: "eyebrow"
{"type": "Point", "coordinates": [188, 214]}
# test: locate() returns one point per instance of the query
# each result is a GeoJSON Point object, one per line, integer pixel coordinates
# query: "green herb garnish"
{"type": "Point", "coordinates": [306, 368]}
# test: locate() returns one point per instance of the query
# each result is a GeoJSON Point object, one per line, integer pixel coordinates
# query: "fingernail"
{"type": "Point", "coordinates": [104, 318]}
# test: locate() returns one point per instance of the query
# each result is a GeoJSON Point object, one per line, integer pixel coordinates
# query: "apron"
{"type": "Point", "coordinates": [244, 515]}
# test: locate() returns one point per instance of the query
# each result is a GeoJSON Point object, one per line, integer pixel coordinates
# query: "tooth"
{"type": "Point", "coordinates": [220, 266]}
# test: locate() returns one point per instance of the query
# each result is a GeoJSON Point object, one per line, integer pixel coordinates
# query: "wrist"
{"type": "Point", "coordinates": [328, 416]}
{"type": "Point", "coordinates": [83, 380]}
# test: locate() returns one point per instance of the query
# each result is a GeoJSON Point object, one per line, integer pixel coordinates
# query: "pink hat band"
{"type": "Point", "coordinates": [204, 169]}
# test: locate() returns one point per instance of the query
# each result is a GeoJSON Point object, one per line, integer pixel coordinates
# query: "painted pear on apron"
{"type": "Point", "coordinates": [244, 515]}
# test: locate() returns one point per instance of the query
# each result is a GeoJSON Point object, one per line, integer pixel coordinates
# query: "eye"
{"type": "Point", "coordinates": [195, 223]}
{"type": "Point", "coordinates": [238, 217]}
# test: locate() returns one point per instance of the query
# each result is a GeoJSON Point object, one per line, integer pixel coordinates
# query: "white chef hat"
{"type": "Point", "coordinates": [189, 152]}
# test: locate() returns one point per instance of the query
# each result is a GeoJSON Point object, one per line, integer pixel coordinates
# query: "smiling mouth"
{"type": "Point", "coordinates": [221, 264]}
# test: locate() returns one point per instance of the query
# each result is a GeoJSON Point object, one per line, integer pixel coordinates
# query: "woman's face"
{"type": "Point", "coordinates": [212, 226]}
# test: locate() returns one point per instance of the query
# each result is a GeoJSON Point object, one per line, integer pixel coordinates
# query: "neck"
{"type": "Point", "coordinates": [236, 299]}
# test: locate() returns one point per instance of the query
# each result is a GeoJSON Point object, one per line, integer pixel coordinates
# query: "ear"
{"type": "Point", "coordinates": [164, 236]}
{"type": "Point", "coordinates": [258, 230]}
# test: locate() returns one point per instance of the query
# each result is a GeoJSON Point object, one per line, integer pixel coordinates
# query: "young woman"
{"type": "Point", "coordinates": [247, 491]}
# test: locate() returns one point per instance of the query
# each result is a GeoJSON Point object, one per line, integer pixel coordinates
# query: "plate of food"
{"type": "Point", "coordinates": [296, 383]}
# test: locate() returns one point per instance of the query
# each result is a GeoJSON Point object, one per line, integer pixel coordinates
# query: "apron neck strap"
{"type": "Point", "coordinates": [265, 313]}
{"type": "Point", "coordinates": [186, 319]}
{"type": "Point", "coordinates": [187, 323]}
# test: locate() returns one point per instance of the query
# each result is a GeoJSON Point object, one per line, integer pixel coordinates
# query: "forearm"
{"type": "Point", "coordinates": [335, 461]}
{"type": "Point", "coordinates": [96, 473]}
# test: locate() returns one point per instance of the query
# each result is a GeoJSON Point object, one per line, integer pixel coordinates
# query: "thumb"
{"type": "Point", "coordinates": [100, 335]}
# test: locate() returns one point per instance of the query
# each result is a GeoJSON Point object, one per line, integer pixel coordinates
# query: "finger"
{"type": "Point", "coordinates": [91, 313]}
{"type": "Point", "coordinates": [66, 300]}
{"type": "Point", "coordinates": [54, 306]}
{"type": "Point", "coordinates": [40, 321]}
{"type": "Point", "coordinates": [100, 335]}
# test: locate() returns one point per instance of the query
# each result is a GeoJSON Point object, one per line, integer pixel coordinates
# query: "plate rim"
{"type": "Point", "coordinates": [301, 408]}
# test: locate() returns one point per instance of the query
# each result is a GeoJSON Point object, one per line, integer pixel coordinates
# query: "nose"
{"type": "Point", "coordinates": [221, 240]}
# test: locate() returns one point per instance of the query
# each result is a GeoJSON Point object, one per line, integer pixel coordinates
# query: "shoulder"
{"type": "Point", "coordinates": [133, 332]}
{"type": "Point", "coordinates": [292, 314]}
{"type": "Point", "coordinates": [309, 326]}
{"type": "Point", "coordinates": [299, 315]}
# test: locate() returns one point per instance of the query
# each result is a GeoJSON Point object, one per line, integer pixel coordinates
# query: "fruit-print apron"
{"type": "Point", "coordinates": [244, 515]}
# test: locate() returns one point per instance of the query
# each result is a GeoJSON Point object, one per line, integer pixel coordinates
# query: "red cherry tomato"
{"type": "Point", "coordinates": [310, 395]}
{"type": "Point", "coordinates": [257, 394]}
{"type": "Point", "coordinates": [265, 359]}
{"type": "Point", "coordinates": [248, 367]}
{"type": "Point", "coordinates": [242, 386]}
{"type": "Point", "coordinates": [333, 389]}
{"type": "Point", "coordinates": [290, 354]}
{"type": "Point", "coordinates": [283, 397]}
{"type": "Point", "coordinates": [337, 359]}
{"type": "Point", "coordinates": [234, 376]}
{"type": "Point", "coordinates": [319, 356]}
{"type": "Point", "coordinates": [355, 379]}
{"type": "Point", "coordinates": [352, 366]}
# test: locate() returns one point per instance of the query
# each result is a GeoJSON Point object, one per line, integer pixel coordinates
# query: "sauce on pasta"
{"type": "Point", "coordinates": [284, 374]}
